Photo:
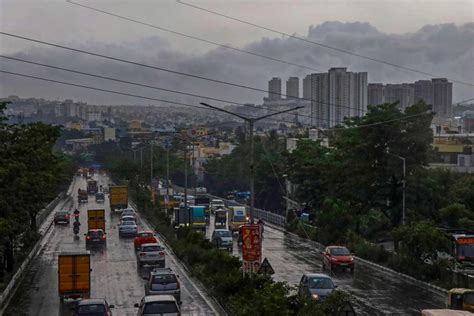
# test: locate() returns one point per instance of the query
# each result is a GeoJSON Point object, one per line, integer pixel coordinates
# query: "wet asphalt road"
{"type": "Point", "coordinates": [374, 292]}
{"type": "Point", "coordinates": [114, 271]}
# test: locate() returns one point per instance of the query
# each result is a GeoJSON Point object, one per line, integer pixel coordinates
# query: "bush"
{"type": "Point", "coordinates": [371, 252]}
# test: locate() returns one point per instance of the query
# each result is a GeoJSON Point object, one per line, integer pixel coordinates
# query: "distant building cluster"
{"type": "Point", "coordinates": [339, 93]}
{"type": "Point", "coordinates": [438, 92]}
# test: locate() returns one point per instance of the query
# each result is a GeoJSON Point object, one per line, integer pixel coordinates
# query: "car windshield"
{"type": "Point", "coordinates": [466, 251]}
{"type": "Point", "coordinates": [163, 279]}
{"type": "Point", "coordinates": [61, 213]}
{"type": "Point", "coordinates": [128, 223]}
{"type": "Point", "coordinates": [469, 298]}
{"type": "Point", "coordinates": [340, 252]}
{"type": "Point", "coordinates": [160, 308]}
{"type": "Point", "coordinates": [223, 233]}
{"type": "Point", "coordinates": [320, 283]}
{"type": "Point", "coordinates": [145, 235]}
{"type": "Point", "coordinates": [151, 248]}
{"type": "Point", "coordinates": [95, 233]}
{"type": "Point", "coordinates": [91, 310]}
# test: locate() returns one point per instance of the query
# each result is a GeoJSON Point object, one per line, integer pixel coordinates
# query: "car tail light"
{"type": "Point", "coordinates": [67, 215]}
{"type": "Point", "coordinates": [178, 285]}
{"type": "Point", "coordinates": [104, 236]}
{"type": "Point", "coordinates": [461, 257]}
{"type": "Point", "coordinates": [142, 254]}
{"type": "Point", "coordinates": [161, 253]}
{"type": "Point", "coordinates": [88, 237]}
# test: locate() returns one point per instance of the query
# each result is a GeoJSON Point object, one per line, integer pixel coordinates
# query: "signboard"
{"type": "Point", "coordinates": [466, 240]}
{"type": "Point", "coordinates": [266, 267]}
{"type": "Point", "coordinates": [251, 247]}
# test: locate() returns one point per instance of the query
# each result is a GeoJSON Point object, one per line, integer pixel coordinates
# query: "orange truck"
{"type": "Point", "coordinates": [74, 275]}
{"type": "Point", "coordinates": [118, 198]}
{"type": "Point", "coordinates": [96, 219]}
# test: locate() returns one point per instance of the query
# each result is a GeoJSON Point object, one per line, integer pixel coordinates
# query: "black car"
{"type": "Point", "coordinates": [95, 237]}
{"type": "Point", "coordinates": [61, 217]}
{"type": "Point", "coordinates": [93, 307]}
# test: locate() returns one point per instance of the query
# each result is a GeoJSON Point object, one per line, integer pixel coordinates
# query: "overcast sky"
{"type": "Point", "coordinates": [436, 35]}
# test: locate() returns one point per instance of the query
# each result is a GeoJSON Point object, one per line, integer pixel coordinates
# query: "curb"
{"type": "Point", "coordinates": [215, 305]}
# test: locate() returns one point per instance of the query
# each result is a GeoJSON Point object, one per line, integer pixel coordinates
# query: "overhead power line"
{"type": "Point", "coordinates": [171, 71]}
{"type": "Point", "coordinates": [200, 39]}
{"type": "Point", "coordinates": [136, 83]}
{"type": "Point", "coordinates": [183, 104]}
{"type": "Point", "coordinates": [322, 45]}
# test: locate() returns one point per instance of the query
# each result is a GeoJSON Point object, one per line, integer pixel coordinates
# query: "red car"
{"type": "Point", "coordinates": [144, 237]}
{"type": "Point", "coordinates": [338, 257]}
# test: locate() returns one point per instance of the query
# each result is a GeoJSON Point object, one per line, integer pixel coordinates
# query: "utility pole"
{"type": "Point", "coordinates": [151, 165]}
{"type": "Point", "coordinates": [186, 183]}
{"type": "Point", "coordinates": [167, 176]}
{"type": "Point", "coordinates": [404, 185]}
{"type": "Point", "coordinates": [251, 121]}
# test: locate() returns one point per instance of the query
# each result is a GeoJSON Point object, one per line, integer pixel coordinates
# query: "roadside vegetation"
{"type": "Point", "coordinates": [32, 172]}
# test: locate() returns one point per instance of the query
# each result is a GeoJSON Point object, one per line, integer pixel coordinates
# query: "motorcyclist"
{"type": "Point", "coordinates": [76, 226]}
{"type": "Point", "coordinates": [76, 214]}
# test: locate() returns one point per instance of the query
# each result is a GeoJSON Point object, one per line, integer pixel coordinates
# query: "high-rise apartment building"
{"type": "Point", "coordinates": [293, 88]}
{"type": "Point", "coordinates": [376, 93]}
{"type": "Point", "coordinates": [336, 95]}
{"type": "Point", "coordinates": [442, 96]}
{"type": "Point", "coordinates": [436, 92]}
{"type": "Point", "coordinates": [274, 89]}
{"type": "Point", "coordinates": [404, 93]}
{"type": "Point", "coordinates": [307, 87]}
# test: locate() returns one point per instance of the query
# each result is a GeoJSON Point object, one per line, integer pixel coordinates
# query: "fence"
{"type": "Point", "coordinates": [270, 217]}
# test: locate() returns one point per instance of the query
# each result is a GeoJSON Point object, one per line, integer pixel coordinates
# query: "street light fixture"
{"type": "Point", "coordinates": [404, 181]}
{"type": "Point", "coordinates": [251, 121]}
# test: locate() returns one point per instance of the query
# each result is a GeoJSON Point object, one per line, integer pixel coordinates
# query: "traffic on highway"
{"type": "Point", "coordinates": [102, 267]}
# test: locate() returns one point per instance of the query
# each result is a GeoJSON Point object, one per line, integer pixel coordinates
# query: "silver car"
{"type": "Point", "coordinates": [317, 286]}
{"type": "Point", "coordinates": [222, 238]}
{"type": "Point", "coordinates": [128, 228]}
{"type": "Point", "coordinates": [158, 305]}
{"type": "Point", "coordinates": [151, 255]}
{"type": "Point", "coordinates": [163, 281]}
{"type": "Point", "coordinates": [129, 212]}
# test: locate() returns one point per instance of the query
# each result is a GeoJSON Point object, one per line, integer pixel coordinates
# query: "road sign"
{"type": "Point", "coordinates": [266, 267]}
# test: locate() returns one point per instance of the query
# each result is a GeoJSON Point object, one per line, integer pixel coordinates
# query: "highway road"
{"type": "Point", "coordinates": [114, 270]}
{"type": "Point", "coordinates": [374, 292]}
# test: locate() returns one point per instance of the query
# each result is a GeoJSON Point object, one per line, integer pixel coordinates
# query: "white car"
{"type": "Point", "coordinates": [151, 255]}
{"type": "Point", "coordinates": [158, 305]}
{"type": "Point", "coordinates": [216, 204]}
{"type": "Point", "coordinates": [129, 212]}
{"type": "Point", "coordinates": [128, 218]}
{"type": "Point", "coordinates": [128, 228]}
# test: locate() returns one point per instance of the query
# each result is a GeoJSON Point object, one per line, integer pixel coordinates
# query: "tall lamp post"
{"type": "Point", "coordinates": [251, 121]}
{"type": "Point", "coordinates": [404, 182]}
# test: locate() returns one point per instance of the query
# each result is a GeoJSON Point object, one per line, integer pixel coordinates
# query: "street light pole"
{"type": "Point", "coordinates": [404, 184]}
{"type": "Point", "coordinates": [251, 121]}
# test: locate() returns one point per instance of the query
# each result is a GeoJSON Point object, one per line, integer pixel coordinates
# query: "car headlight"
{"type": "Point", "coordinates": [315, 296]}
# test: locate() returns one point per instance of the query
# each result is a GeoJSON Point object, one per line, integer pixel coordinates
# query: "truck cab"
{"type": "Point", "coordinates": [238, 216]}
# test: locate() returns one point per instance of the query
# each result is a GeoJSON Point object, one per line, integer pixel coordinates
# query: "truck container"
{"type": "Point", "coordinates": [96, 219]}
{"type": "Point", "coordinates": [74, 275]}
{"type": "Point", "coordinates": [237, 216]}
{"type": "Point", "coordinates": [118, 198]}
{"type": "Point", "coordinates": [198, 217]}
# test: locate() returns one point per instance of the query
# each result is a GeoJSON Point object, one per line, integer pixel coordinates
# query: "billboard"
{"type": "Point", "coordinates": [251, 247]}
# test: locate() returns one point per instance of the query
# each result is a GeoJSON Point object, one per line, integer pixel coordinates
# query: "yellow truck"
{"type": "Point", "coordinates": [74, 275]}
{"type": "Point", "coordinates": [96, 219]}
{"type": "Point", "coordinates": [237, 217]}
{"type": "Point", "coordinates": [118, 198]}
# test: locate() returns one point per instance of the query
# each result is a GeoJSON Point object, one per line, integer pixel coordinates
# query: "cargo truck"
{"type": "Point", "coordinates": [118, 198]}
{"type": "Point", "coordinates": [237, 217]}
{"type": "Point", "coordinates": [74, 275]}
{"type": "Point", "coordinates": [198, 218]}
{"type": "Point", "coordinates": [203, 200]}
{"type": "Point", "coordinates": [96, 219]}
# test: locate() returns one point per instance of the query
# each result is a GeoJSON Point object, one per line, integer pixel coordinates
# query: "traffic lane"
{"type": "Point", "coordinates": [192, 297]}
{"type": "Point", "coordinates": [374, 291]}
{"type": "Point", "coordinates": [193, 303]}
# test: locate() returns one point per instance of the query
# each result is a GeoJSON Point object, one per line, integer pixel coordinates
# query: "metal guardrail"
{"type": "Point", "coordinates": [270, 217]}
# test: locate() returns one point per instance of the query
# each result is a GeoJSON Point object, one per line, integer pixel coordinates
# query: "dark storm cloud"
{"type": "Point", "coordinates": [446, 50]}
